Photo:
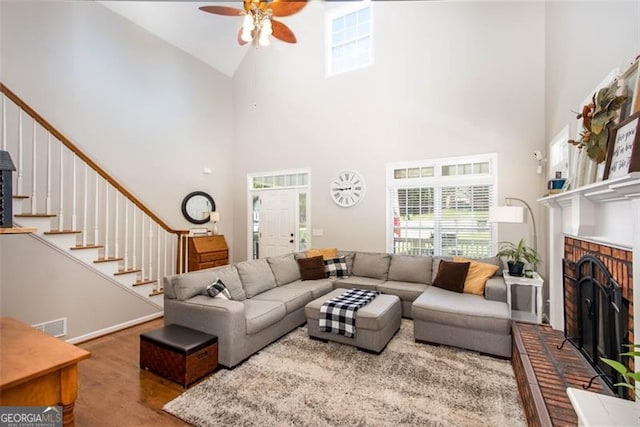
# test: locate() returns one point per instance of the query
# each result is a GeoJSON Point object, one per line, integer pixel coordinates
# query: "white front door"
{"type": "Point", "coordinates": [277, 219]}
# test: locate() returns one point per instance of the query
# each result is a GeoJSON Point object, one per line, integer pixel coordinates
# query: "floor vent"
{"type": "Point", "coordinates": [55, 328]}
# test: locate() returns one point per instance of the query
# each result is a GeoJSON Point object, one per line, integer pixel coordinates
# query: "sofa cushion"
{"type": "Point", "coordinates": [479, 273]}
{"type": "Point", "coordinates": [407, 291]}
{"type": "Point", "coordinates": [316, 287]}
{"type": "Point", "coordinates": [408, 268]}
{"type": "Point", "coordinates": [190, 284]}
{"type": "Point", "coordinates": [373, 265]}
{"type": "Point", "coordinates": [312, 268]}
{"type": "Point", "coordinates": [358, 282]}
{"type": "Point", "coordinates": [262, 314]}
{"type": "Point", "coordinates": [256, 276]}
{"type": "Point", "coordinates": [285, 269]}
{"type": "Point", "coordinates": [293, 298]}
{"type": "Point", "coordinates": [325, 253]}
{"type": "Point", "coordinates": [451, 275]}
{"type": "Point", "coordinates": [496, 289]}
{"type": "Point", "coordinates": [229, 275]}
{"type": "Point", "coordinates": [467, 311]}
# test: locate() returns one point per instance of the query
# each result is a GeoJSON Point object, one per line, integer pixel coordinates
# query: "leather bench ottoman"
{"type": "Point", "coordinates": [376, 322]}
{"type": "Point", "coordinates": [180, 354]}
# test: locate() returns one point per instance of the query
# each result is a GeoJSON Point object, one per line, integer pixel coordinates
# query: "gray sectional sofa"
{"type": "Point", "coordinates": [268, 299]}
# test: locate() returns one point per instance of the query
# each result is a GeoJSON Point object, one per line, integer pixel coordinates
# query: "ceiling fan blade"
{"type": "Point", "coordinates": [222, 10]}
{"type": "Point", "coordinates": [240, 41]}
{"type": "Point", "coordinates": [282, 32]}
{"type": "Point", "coordinates": [286, 7]}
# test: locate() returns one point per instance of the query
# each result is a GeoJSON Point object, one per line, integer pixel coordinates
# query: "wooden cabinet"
{"type": "Point", "coordinates": [207, 252]}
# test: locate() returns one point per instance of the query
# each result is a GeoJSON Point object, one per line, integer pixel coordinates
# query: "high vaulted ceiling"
{"type": "Point", "coordinates": [210, 38]}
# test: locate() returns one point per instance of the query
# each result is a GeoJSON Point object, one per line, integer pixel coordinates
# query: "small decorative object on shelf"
{"type": "Point", "coordinates": [624, 148]}
{"type": "Point", "coordinates": [598, 118]}
{"type": "Point", "coordinates": [6, 193]}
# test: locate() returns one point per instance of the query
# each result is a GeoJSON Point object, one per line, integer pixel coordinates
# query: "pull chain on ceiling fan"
{"type": "Point", "coordinates": [258, 19]}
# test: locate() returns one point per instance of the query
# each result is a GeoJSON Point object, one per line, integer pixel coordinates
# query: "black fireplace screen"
{"type": "Point", "coordinates": [598, 312]}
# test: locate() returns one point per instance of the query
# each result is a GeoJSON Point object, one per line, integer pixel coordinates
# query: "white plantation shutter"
{"type": "Point", "coordinates": [443, 211]}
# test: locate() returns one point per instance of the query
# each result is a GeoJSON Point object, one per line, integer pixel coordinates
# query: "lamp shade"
{"type": "Point", "coordinates": [513, 214]}
{"type": "Point", "coordinates": [214, 216]}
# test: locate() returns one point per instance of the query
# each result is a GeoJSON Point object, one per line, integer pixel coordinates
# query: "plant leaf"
{"type": "Point", "coordinates": [631, 353]}
{"type": "Point", "coordinates": [624, 385]}
{"type": "Point", "coordinates": [619, 367]}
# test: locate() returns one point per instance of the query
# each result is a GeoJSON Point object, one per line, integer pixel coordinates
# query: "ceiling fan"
{"type": "Point", "coordinates": [258, 19]}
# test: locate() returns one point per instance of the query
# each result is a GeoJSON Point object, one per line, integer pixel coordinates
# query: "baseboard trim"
{"type": "Point", "coordinates": [114, 328]}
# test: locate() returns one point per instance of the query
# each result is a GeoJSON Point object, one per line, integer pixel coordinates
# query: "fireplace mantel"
{"type": "Point", "coordinates": [606, 212]}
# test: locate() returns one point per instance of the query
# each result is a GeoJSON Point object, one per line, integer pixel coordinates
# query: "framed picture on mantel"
{"type": "Point", "coordinates": [623, 154]}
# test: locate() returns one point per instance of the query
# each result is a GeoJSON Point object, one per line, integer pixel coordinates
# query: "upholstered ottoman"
{"type": "Point", "coordinates": [462, 320]}
{"type": "Point", "coordinates": [180, 354]}
{"type": "Point", "coordinates": [376, 322]}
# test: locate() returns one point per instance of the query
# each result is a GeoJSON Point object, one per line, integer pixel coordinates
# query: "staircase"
{"type": "Point", "coordinates": [81, 210]}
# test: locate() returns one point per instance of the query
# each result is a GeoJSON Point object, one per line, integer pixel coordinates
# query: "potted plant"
{"type": "Point", "coordinates": [517, 255]}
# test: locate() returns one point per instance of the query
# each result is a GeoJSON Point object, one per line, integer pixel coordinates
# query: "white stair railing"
{"type": "Point", "coordinates": [110, 217]}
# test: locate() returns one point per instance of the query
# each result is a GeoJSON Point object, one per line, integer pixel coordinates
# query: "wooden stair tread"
{"type": "Point", "coordinates": [110, 259]}
{"type": "Point", "coordinates": [78, 247]}
{"type": "Point", "coordinates": [63, 232]}
{"type": "Point", "coordinates": [38, 215]}
{"type": "Point", "coordinates": [131, 270]}
{"type": "Point", "coordinates": [158, 292]}
{"type": "Point", "coordinates": [144, 282]}
{"type": "Point", "coordinates": [18, 196]}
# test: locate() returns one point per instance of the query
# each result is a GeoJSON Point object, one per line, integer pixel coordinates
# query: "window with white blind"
{"type": "Point", "coordinates": [441, 206]}
{"type": "Point", "coordinates": [349, 38]}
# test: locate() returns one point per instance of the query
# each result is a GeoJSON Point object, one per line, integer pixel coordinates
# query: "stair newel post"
{"type": "Point", "coordinates": [96, 235]}
{"type": "Point", "coordinates": [126, 235]}
{"type": "Point", "coordinates": [156, 285]}
{"type": "Point", "coordinates": [106, 219]}
{"type": "Point", "coordinates": [150, 249]}
{"type": "Point", "coordinates": [34, 168]}
{"type": "Point", "coordinates": [48, 198]}
{"type": "Point", "coordinates": [116, 240]}
{"type": "Point", "coordinates": [74, 193]}
{"type": "Point", "coordinates": [142, 257]}
{"type": "Point", "coordinates": [134, 258]}
{"type": "Point", "coordinates": [61, 208]}
{"type": "Point", "coordinates": [4, 123]}
{"type": "Point", "coordinates": [20, 153]}
{"type": "Point", "coordinates": [85, 205]}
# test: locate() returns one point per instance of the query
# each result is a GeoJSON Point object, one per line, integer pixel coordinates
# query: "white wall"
{"type": "Point", "coordinates": [150, 114]}
{"type": "Point", "coordinates": [449, 79]}
{"type": "Point", "coordinates": [39, 284]}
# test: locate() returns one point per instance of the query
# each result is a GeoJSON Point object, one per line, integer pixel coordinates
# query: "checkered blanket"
{"type": "Point", "coordinates": [338, 315]}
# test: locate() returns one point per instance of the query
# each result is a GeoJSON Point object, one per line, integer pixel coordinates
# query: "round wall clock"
{"type": "Point", "coordinates": [196, 207]}
{"type": "Point", "coordinates": [347, 189]}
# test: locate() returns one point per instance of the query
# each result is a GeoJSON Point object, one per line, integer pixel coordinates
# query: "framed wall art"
{"type": "Point", "coordinates": [624, 148]}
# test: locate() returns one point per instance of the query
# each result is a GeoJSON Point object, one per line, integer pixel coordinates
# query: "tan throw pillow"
{"type": "Point", "coordinates": [312, 268]}
{"type": "Point", "coordinates": [325, 253]}
{"type": "Point", "coordinates": [451, 276]}
{"type": "Point", "coordinates": [479, 273]}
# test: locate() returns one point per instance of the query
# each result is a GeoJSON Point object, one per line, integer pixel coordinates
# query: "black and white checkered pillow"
{"type": "Point", "coordinates": [218, 290]}
{"type": "Point", "coordinates": [336, 267]}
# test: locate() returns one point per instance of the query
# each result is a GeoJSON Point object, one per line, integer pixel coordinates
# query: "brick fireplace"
{"type": "Point", "coordinates": [612, 268]}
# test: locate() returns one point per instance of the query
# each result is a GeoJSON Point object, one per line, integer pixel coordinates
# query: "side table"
{"type": "Point", "coordinates": [534, 316]}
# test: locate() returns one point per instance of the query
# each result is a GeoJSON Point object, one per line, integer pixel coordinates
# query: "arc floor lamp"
{"type": "Point", "coordinates": [514, 214]}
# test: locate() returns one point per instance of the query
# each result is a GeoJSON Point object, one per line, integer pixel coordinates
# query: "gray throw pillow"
{"type": "Point", "coordinates": [284, 268]}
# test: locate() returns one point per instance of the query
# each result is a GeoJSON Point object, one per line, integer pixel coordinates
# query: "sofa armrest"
{"type": "Point", "coordinates": [224, 318]}
{"type": "Point", "coordinates": [496, 289]}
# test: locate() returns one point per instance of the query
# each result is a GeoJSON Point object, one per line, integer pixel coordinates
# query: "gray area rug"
{"type": "Point", "coordinates": [299, 381]}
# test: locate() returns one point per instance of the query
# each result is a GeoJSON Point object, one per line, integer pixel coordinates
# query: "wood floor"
{"type": "Point", "coordinates": [112, 389]}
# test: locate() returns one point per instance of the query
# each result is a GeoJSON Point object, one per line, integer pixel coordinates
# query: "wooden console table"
{"type": "Point", "coordinates": [37, 369]}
